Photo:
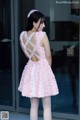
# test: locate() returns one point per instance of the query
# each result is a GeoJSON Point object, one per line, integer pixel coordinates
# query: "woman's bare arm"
{"type": "Point", "coordinates": [46, 46]}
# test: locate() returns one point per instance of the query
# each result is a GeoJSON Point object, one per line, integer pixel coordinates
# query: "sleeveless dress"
{"type": "Point", "coordinates": [37, 78]}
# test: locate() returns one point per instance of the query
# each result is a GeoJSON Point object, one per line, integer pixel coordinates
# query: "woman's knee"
{"type": "Point", "coordinates": [46, 102]}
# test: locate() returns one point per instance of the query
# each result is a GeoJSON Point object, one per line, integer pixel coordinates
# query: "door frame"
{"type": "Point", "coordinates": [5, 107]}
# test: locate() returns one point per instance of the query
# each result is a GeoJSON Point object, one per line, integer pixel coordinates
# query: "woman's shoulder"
{"type": "Point", "coordinates": [40, 34]}
{"type": "Point", "coordinates": [22, 34]}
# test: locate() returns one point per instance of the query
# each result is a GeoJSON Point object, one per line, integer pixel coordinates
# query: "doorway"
{"type": "Point", "coordinates": [7, 75]}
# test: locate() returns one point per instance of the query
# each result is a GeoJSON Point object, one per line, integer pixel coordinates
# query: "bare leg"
{"type": "Point", "coordinates": [47, 108]}
{"type": "Point", "coordinates": [34, 108]}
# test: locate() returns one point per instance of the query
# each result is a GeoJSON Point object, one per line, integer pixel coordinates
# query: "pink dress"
{"type": "Point", "coordinates": [37, 78]}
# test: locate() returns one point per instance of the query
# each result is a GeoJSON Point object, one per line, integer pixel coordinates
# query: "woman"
{"type": "Point", "coordinates": [38, 80]}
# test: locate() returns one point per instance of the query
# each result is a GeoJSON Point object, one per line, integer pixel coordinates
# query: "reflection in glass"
{"type": "Point", "coordinates": [75, 7]}
{"type": "Point", "coordinates": [5, 54]}
{"type": "Point", "coordinates": [64, 43]}
{"type": "Point", "coordinates": [66, 68]}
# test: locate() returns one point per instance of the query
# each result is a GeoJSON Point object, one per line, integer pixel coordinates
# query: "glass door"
{"type": "Point", "coordinates": [7, 89]}
{"type": "Point", "coordinates": [64, 41]}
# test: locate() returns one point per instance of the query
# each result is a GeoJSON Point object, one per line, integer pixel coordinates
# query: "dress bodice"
{"type": "Point", "coordinates": [37, 47]}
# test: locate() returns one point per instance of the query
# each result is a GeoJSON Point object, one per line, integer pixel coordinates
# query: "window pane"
{"type": "Point", "coordinates": [5, 54]}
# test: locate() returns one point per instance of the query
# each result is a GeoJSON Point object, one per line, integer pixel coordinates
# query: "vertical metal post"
{"type": "Point", "coordinates": [16, 8]}
{"type": "Point", "coordinates": [12, 50]}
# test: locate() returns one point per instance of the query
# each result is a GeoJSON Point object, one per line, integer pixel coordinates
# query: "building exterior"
{"type": "Point", "coordinates": [63, 28]}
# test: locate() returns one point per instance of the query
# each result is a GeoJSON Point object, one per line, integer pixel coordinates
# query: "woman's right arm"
{"type": "Point", "coordinates": [46, 46]}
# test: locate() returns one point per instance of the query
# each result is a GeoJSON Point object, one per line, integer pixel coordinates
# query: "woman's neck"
{"type": "Point", "coordinates": [33, 30]}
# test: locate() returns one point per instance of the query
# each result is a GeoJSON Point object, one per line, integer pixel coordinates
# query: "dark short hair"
{"type": "Point", "coordinates": [34, 17]}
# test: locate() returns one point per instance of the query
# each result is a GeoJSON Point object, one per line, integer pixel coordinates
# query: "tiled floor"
{"type": "Point", "coordinates": [18, 116]}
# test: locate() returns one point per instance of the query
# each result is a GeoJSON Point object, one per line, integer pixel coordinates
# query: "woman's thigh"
{"type": "Point", "coordinates": [34, 102]}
